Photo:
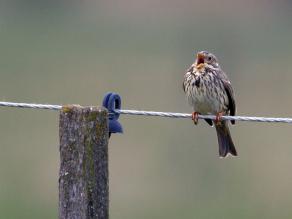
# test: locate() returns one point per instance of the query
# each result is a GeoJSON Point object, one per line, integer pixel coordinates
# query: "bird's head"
{"type": "Point", "coordinates": [204, 59]}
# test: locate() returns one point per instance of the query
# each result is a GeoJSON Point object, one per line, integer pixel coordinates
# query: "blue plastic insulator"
{"type": "Point", "coordinates": [112, 102]}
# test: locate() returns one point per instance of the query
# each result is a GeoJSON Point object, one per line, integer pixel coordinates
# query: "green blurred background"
{"type": "Point", "coordinates": [69, 51]}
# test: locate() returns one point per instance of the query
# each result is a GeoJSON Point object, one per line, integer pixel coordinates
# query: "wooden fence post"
{"type": "Point", "coordinates": [83, 180]}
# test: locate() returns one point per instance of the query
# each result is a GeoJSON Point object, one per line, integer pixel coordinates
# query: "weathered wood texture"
{"type": "Point", "coordinates": [83, 182]}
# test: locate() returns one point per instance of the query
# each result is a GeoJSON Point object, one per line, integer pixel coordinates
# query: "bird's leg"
{"type": "Point", "coordinates": [218, 118]}
{"type": "Point", "coordinates": [195, 117]}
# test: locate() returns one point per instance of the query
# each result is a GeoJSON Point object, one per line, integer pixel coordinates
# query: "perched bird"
{"type": "Point", "coordinates": [209, 91]}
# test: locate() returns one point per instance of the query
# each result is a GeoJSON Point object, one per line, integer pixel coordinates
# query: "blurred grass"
{"type": "Point", "coordinates": [73, 52]}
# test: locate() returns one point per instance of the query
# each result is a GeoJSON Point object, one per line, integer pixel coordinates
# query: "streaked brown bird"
{"type": "Point", "coordinates": [209, 91]}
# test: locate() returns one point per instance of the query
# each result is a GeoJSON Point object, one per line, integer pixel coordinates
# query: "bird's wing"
{"type": "Point", "coordinates": [184, 86]}
{"type": "Point", "coordinates": [190, 70]}
{"type": "Point", "coordinates": [231, 99]}
{"type": "Point", "coordinates": [229, 90]}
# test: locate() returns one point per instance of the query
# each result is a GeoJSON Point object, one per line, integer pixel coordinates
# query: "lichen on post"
{"type": "Point", "coordinates": [83, 182]}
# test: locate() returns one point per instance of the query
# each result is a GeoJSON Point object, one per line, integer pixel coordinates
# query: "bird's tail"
{"type": "Point", "coordinates": [225, 142]}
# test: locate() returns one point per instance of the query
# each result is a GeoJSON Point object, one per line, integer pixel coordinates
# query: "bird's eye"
{"type": "Point", "coordinates": [209, 58]}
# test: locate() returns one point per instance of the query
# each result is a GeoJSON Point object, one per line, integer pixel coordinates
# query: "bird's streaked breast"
{"type": "Point", "coordinates": [205, 92]}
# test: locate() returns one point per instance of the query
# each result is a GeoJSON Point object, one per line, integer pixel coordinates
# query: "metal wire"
{"type": "Point", "coordinates": [154, 113]}
{"type": "Point", "coordinates": [31, 105]}
{"type": "Point", "coordinates": [213, 117]}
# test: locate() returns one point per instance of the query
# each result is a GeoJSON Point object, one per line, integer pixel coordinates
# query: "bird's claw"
{"type": "Point", "coordinates": [218, 118]}
{"type": "Point", "coordinates": [195, 117]}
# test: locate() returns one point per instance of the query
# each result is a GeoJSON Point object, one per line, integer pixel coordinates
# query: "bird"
{"type": "Point", "coordinates": [209, 92]}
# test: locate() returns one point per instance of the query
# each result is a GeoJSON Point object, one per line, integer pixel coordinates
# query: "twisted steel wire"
{"type": "Point", "coordinates": [154, 113]}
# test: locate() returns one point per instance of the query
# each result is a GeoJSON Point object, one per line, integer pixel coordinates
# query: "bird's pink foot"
{"type": "Point", "coordinates": [219, 118]}
{"type": "Point", "coordinates": [195, 117]}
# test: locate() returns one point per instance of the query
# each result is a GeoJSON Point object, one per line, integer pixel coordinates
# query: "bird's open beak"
{"type": "Point", "coordinates": [200, 60]}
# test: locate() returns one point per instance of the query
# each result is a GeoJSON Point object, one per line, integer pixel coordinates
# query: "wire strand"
{"type": "Point", "coordinates": [154, 113]}
{"type": "Point", "coordinates": [31, 105]}
{"type": "Point", "coordinates": [213, 117]}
